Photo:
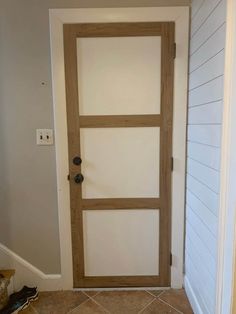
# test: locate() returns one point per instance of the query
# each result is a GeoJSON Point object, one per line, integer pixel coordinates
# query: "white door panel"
{"type": "Point", "coordinates": [119, 75]}
{"type": "Point", "coordinates": [121, 242]}
{"type": "Point", "coordinates": [120, 162]}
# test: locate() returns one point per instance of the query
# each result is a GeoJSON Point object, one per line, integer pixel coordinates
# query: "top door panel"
{"type": "Point", "coordinates": [119, 75]}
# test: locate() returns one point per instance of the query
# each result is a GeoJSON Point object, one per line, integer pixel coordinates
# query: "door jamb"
{"type": "Point", "coordinates": [179, 15]}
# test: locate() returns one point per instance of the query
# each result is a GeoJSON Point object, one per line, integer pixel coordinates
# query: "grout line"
{"type": "Point", "coordinates": [170, 305]}
{"type": "Point", "coordinates": [153, 295]}
{"type": "Point", "coordinates": [106, 310]}
{"type": "Point", "coordinates": [71, 311]}
{"type": "Point", "coordinates": [161, 294]}
{"type": "Point", "coordinates": [34, 309]}
{"type": "Point", "coordinates": [147, 305]}
{"type": "Point", "coordinates": [97, 292]}
{"type": "Point", "coordinates": [102, 307]}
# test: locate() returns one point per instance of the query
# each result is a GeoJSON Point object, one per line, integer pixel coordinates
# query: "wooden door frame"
{"type": "Point", "coordinates": [58, 17]}
{"type": "Point", "coordinates": [164, 120]}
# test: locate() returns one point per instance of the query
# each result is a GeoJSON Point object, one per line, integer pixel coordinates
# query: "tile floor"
{"type": "Point", "coordinates": [114, 302]}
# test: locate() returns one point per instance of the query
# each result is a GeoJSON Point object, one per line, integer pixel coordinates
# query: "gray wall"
{"type": "Point", "coordinates": [204, 140]}
{"type": "Point", "coordinates": [28, 198]}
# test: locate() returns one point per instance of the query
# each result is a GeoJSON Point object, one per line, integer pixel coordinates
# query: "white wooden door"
{"type": "Point", "coordinates": [119, 81]}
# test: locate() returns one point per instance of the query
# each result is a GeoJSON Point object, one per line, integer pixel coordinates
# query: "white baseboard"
{"type": "Point", "coordinates": [27, 274]}
{"type": "Point", "coordinates": [192, 297]}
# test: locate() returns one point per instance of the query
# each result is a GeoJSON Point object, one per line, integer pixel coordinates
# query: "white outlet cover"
{"type": "Point", "coordinates": [44, 137]}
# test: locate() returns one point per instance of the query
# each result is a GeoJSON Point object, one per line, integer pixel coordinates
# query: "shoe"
{"type": "Point", "coordinates": [15, 305]}
{"type": "Point", "coordinates": [20, 300]}
{"type": "Point", "coordinates": [29, 293]}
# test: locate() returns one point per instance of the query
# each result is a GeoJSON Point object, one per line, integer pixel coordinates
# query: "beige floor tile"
{"type": "Point", "coordinates": [158, 307]}
{"type": "Point", "coordinates": [58, 302]}
{"type": "Point", "coordinates": [89, 307]}
{"type": "Point", "coordinates": [115, 302]}
{"type": "Point", "coordinates": [28, 310]}
{"type": "Point", "coordinates": [123, 302]}
{"type": "Point", "coordinates": [178, 299]}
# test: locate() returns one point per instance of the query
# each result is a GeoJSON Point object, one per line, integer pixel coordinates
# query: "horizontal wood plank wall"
{"type": "Point", "coordinates": [164, 121]}
{"type": "Point", "coordinates": [204, 140]}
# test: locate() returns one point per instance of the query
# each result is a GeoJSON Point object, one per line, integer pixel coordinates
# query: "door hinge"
{"type": "Point", "coordinates": [68, 177]}
{"type": "Point", "coordinates": [174, 50]}
{"type": "Point", "coordinates": [172, 164]}
{"type": "Point", "coordinates": [170, 259]}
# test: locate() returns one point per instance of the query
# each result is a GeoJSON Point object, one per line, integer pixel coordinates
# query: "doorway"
{"type": "Point", "coordinates": [179, 16]}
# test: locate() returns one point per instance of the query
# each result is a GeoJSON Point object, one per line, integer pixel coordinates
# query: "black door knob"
{"type": "Point", "coordinates": [79, 178]}
{"type": "Point", "coordinates": [77, 161]}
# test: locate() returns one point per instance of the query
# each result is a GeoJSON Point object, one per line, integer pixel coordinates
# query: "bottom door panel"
{"type": "Point", "coordinates": [121, 242]}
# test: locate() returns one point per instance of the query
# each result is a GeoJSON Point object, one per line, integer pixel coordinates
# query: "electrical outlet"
{"type": "Point", "coordinates": [44, 137]}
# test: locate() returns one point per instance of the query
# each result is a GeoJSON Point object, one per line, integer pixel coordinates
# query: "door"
{"type": "Point", "coordinates": [119, 90]}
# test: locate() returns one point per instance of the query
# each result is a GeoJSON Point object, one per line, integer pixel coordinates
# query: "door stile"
{"type": "Point", "coordinates": [167, 82]}
{"type": "Point", "coordinates": [71, 78]}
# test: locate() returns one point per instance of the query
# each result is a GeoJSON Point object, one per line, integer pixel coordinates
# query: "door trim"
{"type": "Point", "coordinates": [179, 15]}
{"type": "Point", "coordinates": [165, 30]}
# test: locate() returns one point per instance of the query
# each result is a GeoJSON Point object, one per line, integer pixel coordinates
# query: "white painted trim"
{"type": "Point", "coordinates": [61, 146]}
{"type": "Point", "coordinates": [26, 273]}
{"type": "Point", "coordinates": [180, 15]}
{"type": "Point", "coordinates": [227, 213]}
{"type": "Point", "coordinates": [26, 264]}
{"type": "Point", "coordinates": [192, 297]}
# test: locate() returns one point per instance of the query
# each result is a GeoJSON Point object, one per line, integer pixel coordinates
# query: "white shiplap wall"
{"type": "Point", "coordinates": [206, 79]}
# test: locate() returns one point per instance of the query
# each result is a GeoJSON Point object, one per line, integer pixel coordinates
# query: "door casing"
{"type": "Point", "coordinates": [58, 17]}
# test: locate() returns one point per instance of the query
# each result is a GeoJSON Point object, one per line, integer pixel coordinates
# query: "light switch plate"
{"type": "Point", "coordinates": [44, 137]}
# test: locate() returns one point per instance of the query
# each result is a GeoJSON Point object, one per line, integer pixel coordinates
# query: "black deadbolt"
{"type": "Point", "coordinates": [79, 178]}
{"type": "Point", "coordinates": [77, 160]}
